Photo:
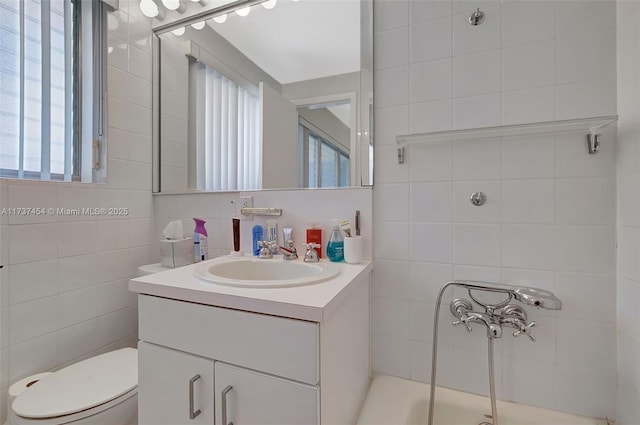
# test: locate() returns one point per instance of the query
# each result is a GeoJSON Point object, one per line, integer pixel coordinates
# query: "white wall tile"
{"type": "Point", "coordinates": [391, 355]}
{"type": "Point", "coordinates": [432, 243]}
{"type": "Point", "coordinates": [586, 200]}
{"type": "Point", "coordinates": [112, 234]}
{"type": "Point", "coordinates": [391, 122]}
{"type": "Point", "coordinates": [392, 87]}
{"type": "Point", "coordinates": [529, 105]}
{"type": "Point", "coordinates": [431, 202]}
{"type": "Point", "coordinates": [30, 281]}
{"type": "Point", "coordinates": [477, 73]}
{"type": "Point", "coordinates": [471, 39]}
{"type": "Point", "coordinates": [528, 67]}
{"type": "Point", "coordinates": [431, 80]}
{"type": "Point", "coordinates": [33, 356]}
{"type": "Point", "coordinates": [77, 238]}
{"type": "Point", "coordinates": [575, 18]}
{"type": "Point", "coordinates": [390, 279]}
{"type": "Point", "coordinates": [466, 212]}
{"type": "Point", "coordinates": [392, 241]}
{"type": "Point", "coordinates": [422, 35]}
{"type": "Point", "coordinates": [528, 246]}
{"type": "Point", "coordinates": [26, 196]}
{"type": "Point", "coordinates": [572, 159]}
{"type": "Point", "coordinates": [576, 349]}
{"type": "Point", "coordinates": [75, 341]}
{"type": "Point", "coordinates": [32, 319]}
{"type": "Point", "coordinates": [23, 249]}
{"type": "Point", "coordinates": [114, 296]}
{"type": "Point", "coordinates": [582, 294]}
{"type": "Point", "coordinates": [422, 11]}
{"type": "Point", "coordinates": [427, 279]}
{"type": "Point", "coordinates": [586, 249]}
{"type": "Point", "coordinates": [391, 202]}
{"type": "Point", "coordinates": [477, 111]}
{"type": "Point", "coordinates": [390, 316]}
{"type": "Point", "coordinates": [517, 26]}
{"type": "Point", "coordinates": [77, 306]}
{"type": "Point", "coordinates": [431, 116]}
{"type": "Point", "coordinates": [431, 162]}
{"type": "Point", "coordinates": [394, 48]}
{"type": "Point", "coordinates": [586, 99]}
{"type": "Point", "coordinates": [528, 157]}
{"type": "Point", "coordinates": [476, 159]}
{"type": "Point", "coordinates": [77, 272]}
{"type": "Point", "coordinates": [477, 244]}
{"type": "Point", "coordinates": [528, 201]}
{"type": "Point", "coordinates": [574, 61]}
{"type": "Point", "coordinates": [390, 14]}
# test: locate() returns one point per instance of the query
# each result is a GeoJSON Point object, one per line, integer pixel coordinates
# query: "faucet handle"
{"type": "Point", "coordinates": [311, 256]}
{"type": "Point", "coordinates": [464, 320]}
{"type": "Point", "coordinates": [526, 330]}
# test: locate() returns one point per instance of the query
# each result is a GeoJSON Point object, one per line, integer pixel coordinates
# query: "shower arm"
{"type": "Point", "coordinates": [529, 296]}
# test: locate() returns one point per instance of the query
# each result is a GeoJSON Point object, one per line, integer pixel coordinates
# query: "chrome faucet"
{"type": "Point", "coordinates": [463, 309]}
{"type": "Point", "coordinates": [311, 256]}
{"type": "Point", "coordinates": [266, 249]}
{"type": "Point", "coordinates": [290, 252]}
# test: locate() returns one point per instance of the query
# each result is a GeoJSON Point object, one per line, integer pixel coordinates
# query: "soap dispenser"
{"type": "Point", "coordinates": [335, 247]}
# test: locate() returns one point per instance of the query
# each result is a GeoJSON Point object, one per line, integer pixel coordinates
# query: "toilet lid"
{"type": "Point", "coordinates": [81, 386]}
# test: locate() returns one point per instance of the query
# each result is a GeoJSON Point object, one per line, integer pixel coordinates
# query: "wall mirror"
{"type": "Point", "coordinates": [264, 95]}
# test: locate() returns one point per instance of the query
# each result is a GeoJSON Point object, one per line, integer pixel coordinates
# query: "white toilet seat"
{"type": "Point", "coordinates": [79, 391]}
{"type": "Point", "coordinates": [129, 397]}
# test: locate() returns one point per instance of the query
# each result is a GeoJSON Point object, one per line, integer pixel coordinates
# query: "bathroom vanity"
{"type": "Point", "coordinates": [219, 354]}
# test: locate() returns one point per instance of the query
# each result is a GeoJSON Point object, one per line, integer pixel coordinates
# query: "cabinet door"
{"type": "Point", "coordinates": [252, 398]}
{"type": "Point", "coordinates": [173, 386]}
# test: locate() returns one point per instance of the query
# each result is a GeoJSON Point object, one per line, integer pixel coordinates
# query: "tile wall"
{"type": "Point", "coordinates": [550, 216]}
{"type": "Point", "coordinates": [628, 222]}
{"type": "Point", "coordinates": [63, 285]}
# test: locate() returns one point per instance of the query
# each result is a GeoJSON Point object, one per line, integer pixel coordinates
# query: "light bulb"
{"type": "Point", "coordinates": [198, 25]}
{"type": "Point", "coordinates": [221, 19]}
{"type": "Point", "coordinates": [171, 4]}
{"type": "Point", "coordinates": [244, 11]}
{"type": "Point", "coordinates": [269, 4]}
{"type": "Point", "coordinates": [178, 31]}
{"type": "Point", "coordinates": [149, 8]}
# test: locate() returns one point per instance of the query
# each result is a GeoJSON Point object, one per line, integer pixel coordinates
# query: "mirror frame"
{"type": "Point", "coordinates": [361, 165]}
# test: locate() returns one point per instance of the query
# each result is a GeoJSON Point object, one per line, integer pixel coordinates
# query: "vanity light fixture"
{"type": "Point", "coordinates": [150, 9]}
{"type": "Point", "coordinates": [198, 25]}
{"type": "Point", "coordinates": [244, 11]}
{"type": "Point", "coordinates": [178, 31]}
{"type": "Point", "coordinates": [269, 4]}
{"type": "Point", "coordinates": [221, 19]}
{"type": "Point", "coordinates": [174, 5]}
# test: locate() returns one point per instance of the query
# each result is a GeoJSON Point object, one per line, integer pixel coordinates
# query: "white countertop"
{"type": "Point", "coordinates": [311, 302]}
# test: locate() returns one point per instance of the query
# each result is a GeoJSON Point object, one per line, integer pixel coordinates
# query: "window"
{"type": "Point", "coordinates": [47, 111]}
{"type": "Point", "coordinates": [324, 164]}
{"type": "Point", "coordinates": [226, 142]}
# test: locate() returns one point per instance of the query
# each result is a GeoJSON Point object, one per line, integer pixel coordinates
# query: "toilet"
{"type": "Point", "coordinates": [101, 390]}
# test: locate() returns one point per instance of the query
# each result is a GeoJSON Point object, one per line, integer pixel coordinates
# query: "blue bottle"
{"type": "Point", "coordinates": [257, 236]}
{"type": "Point", "coordinates": [335, 247]}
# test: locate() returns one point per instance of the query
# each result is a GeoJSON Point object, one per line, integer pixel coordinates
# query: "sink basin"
{"type": "Point", "coordinates": [271, 273]}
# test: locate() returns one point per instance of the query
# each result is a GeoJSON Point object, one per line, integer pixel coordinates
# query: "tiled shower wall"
{"type": "Point", "coordinates": [63, 285]}
{"type": "Point", "coordinates": [628, 223]}
{"type": "Point", "coordinates": [550, 216]}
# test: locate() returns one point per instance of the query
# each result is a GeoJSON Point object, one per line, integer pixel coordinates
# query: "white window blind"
{"type": "Point", "coordinates": [40, 84]}
{"type": "Point", "coordinates": [228, 149]}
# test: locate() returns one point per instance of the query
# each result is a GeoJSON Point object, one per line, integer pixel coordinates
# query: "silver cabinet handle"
{"type": "Point", "coordinates": [224, 405]}
{"type": "Point", "coordinates": [192, 414]}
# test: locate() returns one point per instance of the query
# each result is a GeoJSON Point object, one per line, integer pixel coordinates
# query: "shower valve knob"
{"type": "Point", "coordinates": [463, 322]}
{"type": "Point", "coordinates": [525, 330]}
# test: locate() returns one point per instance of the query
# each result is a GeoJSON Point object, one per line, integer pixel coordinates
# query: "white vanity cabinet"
{"type": "Point", "coordinates": [257, 368]}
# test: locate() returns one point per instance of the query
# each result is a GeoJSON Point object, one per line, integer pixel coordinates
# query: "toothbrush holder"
{"type": "Point", "coordinates": [353, 249]}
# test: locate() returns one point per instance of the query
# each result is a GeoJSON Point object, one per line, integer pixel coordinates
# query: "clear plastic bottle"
{"type": "Point", "coordinates": [335, 247]}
